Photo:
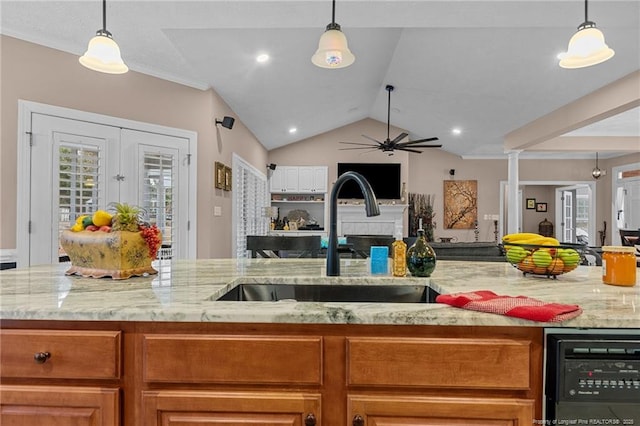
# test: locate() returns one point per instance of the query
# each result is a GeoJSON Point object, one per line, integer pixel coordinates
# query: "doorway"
{"type": "Point", "coordinates": [625, 203]}
{"type": "Point", "coordinates": [574, 213]}
{"type": "Point", "coordinates": [590, 207]}
{"type": "Point", "coordinates": [76, 163]}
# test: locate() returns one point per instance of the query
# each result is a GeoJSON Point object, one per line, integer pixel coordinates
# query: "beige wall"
{"type": "Point", "coordinates": [39, 74]}
{"type": "Point", "coordinates": [425, 173]}
{"type": "Point", "coordinates": [44, 75]}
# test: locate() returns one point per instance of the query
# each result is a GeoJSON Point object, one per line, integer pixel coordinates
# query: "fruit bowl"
{"type": "Point", "coordinates": [546, 260]}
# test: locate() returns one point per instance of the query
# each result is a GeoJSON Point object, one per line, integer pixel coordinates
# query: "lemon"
{"type": "Point", "coordinates": [101, 218]}
{"type": "Point", "coordinates": [77, 227]}
{"type": "Point", "coordinates": [80, 219]}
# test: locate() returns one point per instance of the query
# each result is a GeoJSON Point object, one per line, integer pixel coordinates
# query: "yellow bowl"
{"type": "Point", "coordinates": [549, 261]}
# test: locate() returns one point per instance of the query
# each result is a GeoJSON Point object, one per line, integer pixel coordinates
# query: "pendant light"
{"type": "Point", "coordinates": [333, 51]}
{"type": "Point", "coordinates": [596, 173]}
{"type": "Point", "coordinates": [103, 53]}
{"type": "Point", "coordinates": [586, 47]}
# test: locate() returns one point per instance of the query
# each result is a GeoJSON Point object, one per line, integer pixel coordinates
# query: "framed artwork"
{"type": "Point", "coordinates": [541, 207]}
{"type": "Point", "coordinates": [460, 204]}
{"type": "Point", "coordinates": [218, 177]}
{"type": "Point", "coordinates": [227, 178]}
{"type": "Point", "coordinates": [531, 203]}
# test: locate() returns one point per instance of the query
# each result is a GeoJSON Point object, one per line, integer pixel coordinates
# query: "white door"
{"type": "Point", "coordinates": [568, 218]}
{"type": "Point", "coordinates": [157, 166]}
{"type": "Point", "coordinates": [575, 214]}
{"type": "Point", "coordinates": [631, 204]}
{"type": "Point", "coordinates": [70, 176]}
{"type": "Point", "coordinates": [78, 167]}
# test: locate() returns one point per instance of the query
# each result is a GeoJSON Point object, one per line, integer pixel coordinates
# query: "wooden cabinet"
{"type": "Point", "coordinates": [37, 366]}
{"type": "Point", "coordinates": [249, 360]}
{"type": "Point", "coordinates": [391, 410]}
{"type": "Point", "coordinates": [188, 374]}
{"type": "Point", "coordinates": [58, 405]}
{"type": "Point", "coordinates": [470, 364]}
{"type": "Point", "coordinates": [299, 179]}
{"type": "Point", "coordinates": [265, 408]}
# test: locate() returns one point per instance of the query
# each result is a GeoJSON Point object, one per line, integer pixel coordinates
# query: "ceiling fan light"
{"type": "Point", "coordinates": [587, 47]}
{"type": "Point", "coordinates": [103, 55]}
{"type": "Point", "coordinates": [333, 50]}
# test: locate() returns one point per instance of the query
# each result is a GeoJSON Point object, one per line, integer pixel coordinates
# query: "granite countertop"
{"type": "Point", "coordinates": [186, 291]}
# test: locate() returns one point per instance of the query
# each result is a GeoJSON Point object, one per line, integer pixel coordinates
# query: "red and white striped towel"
{"type": "Point", "coordinates": [511, 306]}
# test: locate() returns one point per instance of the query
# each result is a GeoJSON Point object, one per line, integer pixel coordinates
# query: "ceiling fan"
{"type": "Point", "coordinates": [391, 145]}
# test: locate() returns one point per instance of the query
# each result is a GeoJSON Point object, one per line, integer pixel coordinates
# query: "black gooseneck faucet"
{"type": "Point", "coordinates": [371, 207]}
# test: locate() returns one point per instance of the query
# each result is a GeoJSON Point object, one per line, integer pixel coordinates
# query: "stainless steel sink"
{"type": "Point", "coordinates": [331, 293]}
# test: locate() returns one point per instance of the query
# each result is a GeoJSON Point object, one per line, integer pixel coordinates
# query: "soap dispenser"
{"type": "Point", "coordinates": [421, 259]}
{"type": "Point", "coordinates": [399, 248]}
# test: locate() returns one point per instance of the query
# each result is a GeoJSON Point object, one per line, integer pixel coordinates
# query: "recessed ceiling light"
{"type": "Point", "coordinates": [456, 131]}
{"type": "Point", "coordinates": [292, 130]}
{"type": "Point", "coordinates": [262, 58]}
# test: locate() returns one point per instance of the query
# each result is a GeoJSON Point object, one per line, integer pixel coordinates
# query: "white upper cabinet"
{"type": "Point", "coordinates": [284, 179]}
{"type": "Point", "coordinates": [299, 179]}
{"type": "Point", "coordinates": [312, 179]}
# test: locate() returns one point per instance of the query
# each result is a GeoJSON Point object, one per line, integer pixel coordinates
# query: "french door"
{"type": "Point", "coordinates": [77, 167]}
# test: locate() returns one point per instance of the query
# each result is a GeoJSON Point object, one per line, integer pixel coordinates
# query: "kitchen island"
{"type": "Point", "coordinates": [160, 350]}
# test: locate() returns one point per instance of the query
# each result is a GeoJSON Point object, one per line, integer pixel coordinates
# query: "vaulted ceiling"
{"type": "Point", "coordinates": [487, 67]}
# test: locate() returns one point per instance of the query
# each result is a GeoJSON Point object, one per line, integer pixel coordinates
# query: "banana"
{"type": "Point", "coordinates": [517, 237]}
{"type": "Point", "coordinates": [530, 238]}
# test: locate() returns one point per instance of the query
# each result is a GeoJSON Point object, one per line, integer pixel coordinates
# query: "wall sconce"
{"type": "Point", "coordinates": [227, 122]}
{"type": "Point", "coordinates": [272, 166]}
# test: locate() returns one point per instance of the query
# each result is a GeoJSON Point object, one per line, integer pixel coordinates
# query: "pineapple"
{"type": "Point", "coordinates": [126, 217]}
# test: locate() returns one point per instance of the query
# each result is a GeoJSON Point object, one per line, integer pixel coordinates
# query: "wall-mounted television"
{"type": "Point", "coordinates": [384, 179]}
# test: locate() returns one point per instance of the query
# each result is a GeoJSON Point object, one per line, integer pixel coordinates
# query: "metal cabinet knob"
{"type": "Point", "coordinates": [41, 357]}
{"type": "Point", "coordinates": [358, 420]}
{"type": "Point", "coordinates": [310, 420]}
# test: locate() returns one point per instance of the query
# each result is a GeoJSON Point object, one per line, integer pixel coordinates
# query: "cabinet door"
{"type": "Point", "coordinates": [284, 179]}
{"type": "Point", "coordinates": [198, 408]}
{"type": "Point", "coordinates": [305, 179]}
{"type": "Point", "coordinates": [276, 181]}
{"type": "Point", "coordinates": [312, 179]}
{"type": "Point", "coordinates": [382, 410]}
{"type": "Point", "coordinates": [291, 179]}
{"type": "Point", "coordinates": [320, 179]}
{"type": "Point", "coordinates": [58, 405]}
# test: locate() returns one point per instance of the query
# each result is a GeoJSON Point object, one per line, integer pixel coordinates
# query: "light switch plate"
{"type": "Point", "coordinates": [217, 211]}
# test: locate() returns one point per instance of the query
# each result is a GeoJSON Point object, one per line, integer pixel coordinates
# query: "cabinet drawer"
{"type": "Point", "coordinates": [71, 354]}
{"type": "Point", "coordinates": [232, 359]}
{"type": "Point", "coordinates": [468, 363]}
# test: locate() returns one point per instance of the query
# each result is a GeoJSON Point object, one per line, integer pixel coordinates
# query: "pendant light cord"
{"type": "Point", "coordinates": [104, 15]}
{"type": "Point", "coordinates": [333, 12]}
{"type": "Point", "coordinates": [586, 18]}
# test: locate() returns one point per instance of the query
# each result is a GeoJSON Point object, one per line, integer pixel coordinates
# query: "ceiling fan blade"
{"type": "Point", "coordinates": [409, 150]}
{"type": "Point", "coordinates": [363, 144]}
{"type": "Point", "coordinates": [419, 141]}
{"type": "Point", "coordinates": [371, 147]}
{"type": "Point", "coordinates": [419, 146]}
{"type": "Point", "coordinates": [372, 139]}
{"type": "Point", "coordinates": [400, 137]}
